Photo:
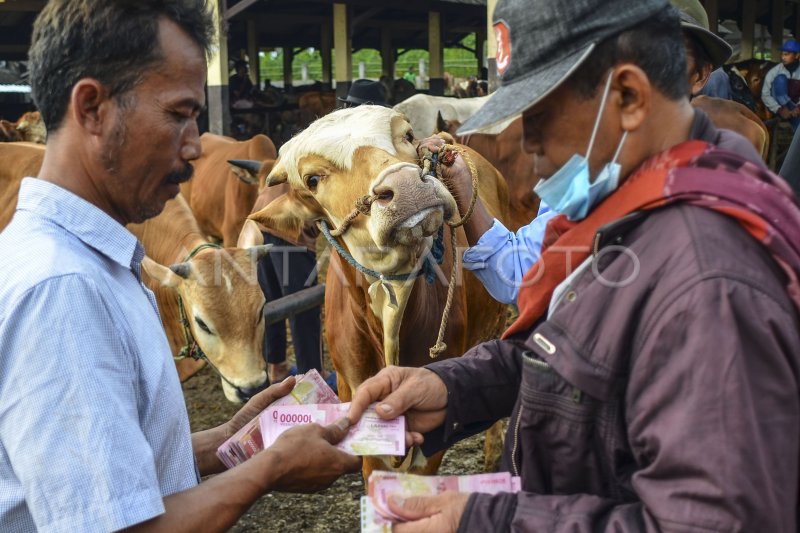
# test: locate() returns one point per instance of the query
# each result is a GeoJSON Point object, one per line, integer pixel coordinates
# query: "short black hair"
{"type": "Point", "coordinates": [112, 41]}
{"type": "Point", "coordinates": [655, 45]}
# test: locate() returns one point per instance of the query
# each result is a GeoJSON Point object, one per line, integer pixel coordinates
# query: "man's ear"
{"type": "Point", "coordinates": [636, 95]}
{"type": "Point", "coordinates": [700, 78]}
{"type": "Point", "coordinates": [90, 104]}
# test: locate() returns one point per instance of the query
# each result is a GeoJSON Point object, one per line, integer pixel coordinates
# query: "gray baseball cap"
{"type": "Point", "coordinates": [541, 42]}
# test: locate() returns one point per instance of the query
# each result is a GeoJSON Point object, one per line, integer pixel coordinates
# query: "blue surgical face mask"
{"type": "Point", "coordinates": [570, 191]}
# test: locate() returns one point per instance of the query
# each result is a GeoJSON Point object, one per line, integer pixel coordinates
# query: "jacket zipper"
{"type": "Point", "coordinates": [516, 442]}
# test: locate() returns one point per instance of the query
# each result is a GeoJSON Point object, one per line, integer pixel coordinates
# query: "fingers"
{"type": "Point", "coordinates": [337, 431]}
{"type": "Point", "coordinates": [272, 393]}
{"type": "Point", "coordinates": [433, 144]}
{"type": "Point", "coordinates": [414, 438]}
{"type": "Point", "coordinates": [372, 390]}
{"type": "Point", "coordinates": [415, 507]}
{"type": "Point", "coordinates": [429, 513]}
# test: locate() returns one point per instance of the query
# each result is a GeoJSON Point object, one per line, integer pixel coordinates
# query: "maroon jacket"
{"type": "Point", "coordinates": [661, 395]}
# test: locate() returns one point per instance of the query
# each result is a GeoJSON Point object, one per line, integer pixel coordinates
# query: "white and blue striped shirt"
{"type": "Point", "coordinates": [93, 426]}
{"type": "Point", "coordinates": [501, 257]}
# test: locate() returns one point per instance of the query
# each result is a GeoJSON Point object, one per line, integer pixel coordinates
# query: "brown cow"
{"type": "Point", "coordinates": [30, 128]}
{"type": "Point", "coordinates": [220, 291]}
{"type": "Point", "coordinates": [754, 71]}
{"type": "Point", "coordinates": [370, 322]}
{"type": "Point", "coordinates": [8, 132]}
{"type": "Point", "coordinates": [315, 104]}
{"type": "Point", "coordinates": [221, 195]}
{"type": "Point", "coordinates": [736, 117]}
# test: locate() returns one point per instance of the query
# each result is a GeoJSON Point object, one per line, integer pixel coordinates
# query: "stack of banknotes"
{"type": "Point", "coordinates": [376, 517]}
{"type": "Point", "coordinates": [309, 388]}
{"type": "Point", "coordinates": [313, 402]}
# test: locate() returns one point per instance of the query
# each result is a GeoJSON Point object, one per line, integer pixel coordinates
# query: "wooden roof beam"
{"type": "Point", "coordinates": [237, 8]}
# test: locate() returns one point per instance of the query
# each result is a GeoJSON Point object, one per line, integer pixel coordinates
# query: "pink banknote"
{"type": "Point", "coordinates": [372, 435]}
{"type": "Point", "coordinates": [382, 485]}
{"type": "Point", "coordinates": [308, 388]}
{"type": "Point", "coordinates": [371, 520]}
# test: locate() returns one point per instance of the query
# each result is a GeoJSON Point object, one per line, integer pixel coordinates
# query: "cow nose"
{"type": "Point", "coordinates": [246, 394]}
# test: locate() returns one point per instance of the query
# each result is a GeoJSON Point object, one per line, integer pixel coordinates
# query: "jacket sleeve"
{"type": "Point", "coordinates": [766, 90]}
{"type": "Point", "coordinates": [712, 413]}
{"type": "Point", "coordinates": [482, 388]}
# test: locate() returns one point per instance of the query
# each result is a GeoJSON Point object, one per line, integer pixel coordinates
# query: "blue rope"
{"type": "Point", "coordinates": [437, 251]}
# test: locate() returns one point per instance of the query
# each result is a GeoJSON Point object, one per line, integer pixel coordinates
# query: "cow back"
{"type": "Point", "coordinates": [220, 200]}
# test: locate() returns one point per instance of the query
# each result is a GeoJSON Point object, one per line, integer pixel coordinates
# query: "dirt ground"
{"type": "Point", "coordinates": [333, 510]}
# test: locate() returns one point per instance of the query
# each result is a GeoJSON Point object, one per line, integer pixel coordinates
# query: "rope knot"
{"type": "Point", "coordinates": [364, 204]}
{"type": "Point", "coordinates": [437, 349]}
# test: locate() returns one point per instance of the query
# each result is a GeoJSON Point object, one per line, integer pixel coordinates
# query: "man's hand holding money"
{"type": "Point", "coordinates": [417, 393]}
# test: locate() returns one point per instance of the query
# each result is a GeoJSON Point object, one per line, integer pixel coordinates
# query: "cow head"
{"type": "Point", "coordinates": [223, 304]}
{"type": "Point", "coordinates": [342, 157]}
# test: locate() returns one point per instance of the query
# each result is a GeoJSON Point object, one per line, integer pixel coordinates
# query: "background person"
{"type": "Point", "coordinates": [93, 426]}
{"type": "Point", "coordinates": [652, 375]}
{"type": "Point", "coordinates": [781, 90]}
{"type": "Point", "coordinates": [241, 86]}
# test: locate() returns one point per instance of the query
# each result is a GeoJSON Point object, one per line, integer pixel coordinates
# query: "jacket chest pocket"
{"type": "Point", "coordinates": [558, 433]}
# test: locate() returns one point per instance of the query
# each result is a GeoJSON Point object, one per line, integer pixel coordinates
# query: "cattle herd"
{"type": "Point", "coordinates": [202, 250]}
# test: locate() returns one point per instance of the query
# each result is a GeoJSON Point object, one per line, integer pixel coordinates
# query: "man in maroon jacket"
{"type": "Point", "coordinates": [652, 376]}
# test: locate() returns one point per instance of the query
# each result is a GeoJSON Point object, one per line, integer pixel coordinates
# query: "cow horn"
{"type": "Point", "coordinates": [251, 170]}
{"type": "Point", "coordinates": [441, 123]}
{"type": "Point", "coordinates": [182, 269]}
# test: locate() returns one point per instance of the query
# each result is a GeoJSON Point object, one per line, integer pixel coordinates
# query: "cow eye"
{"type": "Point", "coordinates": [312, 181]}
{"type": "Point", "coordinates": [410, 136]}
{"type": "Point", "coordinates": [202, 325]}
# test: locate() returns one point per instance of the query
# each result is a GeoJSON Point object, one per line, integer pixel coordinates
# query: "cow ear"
{"type": "Point", "coordinates": [161, 274]}
{"type": "Point", "coordinates": [286, 214]}
{"type": "Point", "coordinates": [278, 175]}
{"type": "Point", "coordinates": [249, 236]}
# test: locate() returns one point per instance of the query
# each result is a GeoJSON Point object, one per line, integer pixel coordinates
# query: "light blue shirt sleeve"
{"type": "Point", "coordinates": [69, 427]}
{"type": "Point", "coordinates": [501, 257]}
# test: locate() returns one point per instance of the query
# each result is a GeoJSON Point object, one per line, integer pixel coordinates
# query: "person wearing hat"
{"type": "Point", "coordinates": [781, 90]}
{"type": "Point", "coordinates": [706, 51]}
{"type": "Point", "coordinates": [365, 92]}
{"type": "Point", "coordinates": [652, 375]}
{"type": "Point", "coordinates": [500, 258]}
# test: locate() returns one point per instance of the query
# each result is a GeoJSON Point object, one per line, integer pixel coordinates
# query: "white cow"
{"type": "Point", "coordinates": [421, 110]}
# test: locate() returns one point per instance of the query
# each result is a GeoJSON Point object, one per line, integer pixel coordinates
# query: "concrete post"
{"type": "Point", "coordinates": [325, 50]}
{"type": "Point", "coordinates": [748, 29]}
{"type": "Point", "coordinates": [387, 53]}
{"type": "Point", "coordinates": [219, 114]}
{"type": "Point", "coordinates": [777, 28]}
{"type": "Point", "coordinates": [344, 54]}
{"type": "Point", "coordinates": [252, 53]}
{"type": "Point", "coordinates": [436, 54]}
{"type": "Point", "coordinates": [288, 59]}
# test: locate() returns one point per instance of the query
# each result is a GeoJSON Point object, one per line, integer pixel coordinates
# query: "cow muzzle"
{"type": "Point", "coordinates": [408, 206]}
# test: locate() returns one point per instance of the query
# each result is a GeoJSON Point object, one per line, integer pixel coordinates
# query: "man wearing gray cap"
{"type": "Point", "coordinates": [652, 375]}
